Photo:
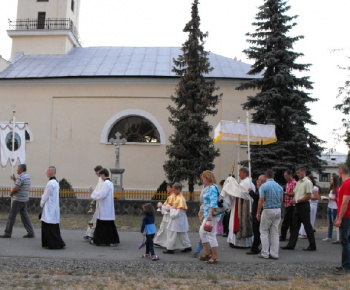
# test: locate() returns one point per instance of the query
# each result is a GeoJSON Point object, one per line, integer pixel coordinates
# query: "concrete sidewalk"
{"type": "Point", "coordinates": [127, 250]}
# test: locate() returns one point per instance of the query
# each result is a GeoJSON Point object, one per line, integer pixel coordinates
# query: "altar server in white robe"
{"type": "Point", "coordinates": [92, 223]}
{"type": "Point", "coordinates": [50, 216]}
{"type": "Point", "coordinates": [161, 237]}
{"type": "Point", "coordinates": [177, 236]}
{"type": "Point", "coordinates": [237, 196]}
{"type": "Point", "coordinates": [106, 231]}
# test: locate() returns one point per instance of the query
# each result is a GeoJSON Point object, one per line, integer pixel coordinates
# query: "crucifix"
{"type": "Point", "coordinates": [117, 141]}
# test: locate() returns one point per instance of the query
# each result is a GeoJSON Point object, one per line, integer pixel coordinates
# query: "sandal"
{"type": "Point", "coordinates": [205, 257]}
{"type": "Point", "coordinates": [155, 257]}
{"type": "Point", "coordinates": [212, 261]}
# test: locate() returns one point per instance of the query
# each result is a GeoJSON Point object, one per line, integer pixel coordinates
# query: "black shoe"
{"type": "Point", "coordinates": [252, 253]}
{"type": "Point", "coordinates": [28, 236]}
{"type": "Point", "coordinates": [287, 248]}
{"type": "Point", "coordinates": [189, 249]}
{"type": "Point", "coordinates": [282, 239]}
{"type": "Point", "coordinates": [310, 248]}
{"type": "Point", "coordinates": [235, 247]}
{"type": "Point", "coordinates": [5, 236]}
{"type": "Point", "coordinates": [169, 252]}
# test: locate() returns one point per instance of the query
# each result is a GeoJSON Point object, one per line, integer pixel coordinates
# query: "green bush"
{"type": "Point", "coordinates": [66, 189]}
{"type": "Point", "coordinates": [161, 192]}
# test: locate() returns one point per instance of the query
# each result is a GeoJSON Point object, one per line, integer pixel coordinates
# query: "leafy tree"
{"type": "Point", "coordinates": [191, 148]}
{"type": "Point", "coordinates": [344, 107]}
{"type": "Point", "coordinates": [281, 99]}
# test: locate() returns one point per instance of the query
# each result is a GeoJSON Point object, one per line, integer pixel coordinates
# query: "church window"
{"type": "Point", "coordinates": [135, 129]}
{"type": "Point", "coordinates": [72, 5]}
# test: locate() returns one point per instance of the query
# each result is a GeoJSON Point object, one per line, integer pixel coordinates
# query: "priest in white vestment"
{"type": "Point", "coordinates": [237, 196]}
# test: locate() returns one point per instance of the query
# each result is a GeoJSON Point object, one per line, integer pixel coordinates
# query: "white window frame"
{"type": "Point", "coordinates": [138, 113]}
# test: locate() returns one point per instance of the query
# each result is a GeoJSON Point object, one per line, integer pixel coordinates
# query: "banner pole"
{"type": "Point", "coordinates": [13, 146]}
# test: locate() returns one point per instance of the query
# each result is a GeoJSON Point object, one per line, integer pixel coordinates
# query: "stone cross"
{"type": "Point", "coordinates": [117, 141]}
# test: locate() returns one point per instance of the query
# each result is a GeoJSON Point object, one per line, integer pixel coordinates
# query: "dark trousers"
{"type": "Point", "coordinates": [225, 222]}
{"type": "Point", "coordinates": [256, 231]}
{"type": "Point", "coordinates": [287, 221]}
{"type": "Point", "coordinates": [301, 215]}
{"type": "Point", "coordinates": [149, 244]}
{"type": "Point", "coordinates": [19, 207]}
{"type": "Point", "coordinates": [345, 242]}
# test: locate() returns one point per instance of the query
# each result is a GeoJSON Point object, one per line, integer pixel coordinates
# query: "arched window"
{"type": "Point", "coordinates": [135, 129]}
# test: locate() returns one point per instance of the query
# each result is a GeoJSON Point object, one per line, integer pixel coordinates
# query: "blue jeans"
{"type": "Point", "coordinates": [149, 244]}
{"type": "Point", "coordinates": [199, 247]}
{"type": "Point", "coordinates": [331, 216]}
{"type": "Point", "coordinates": [345, 242]}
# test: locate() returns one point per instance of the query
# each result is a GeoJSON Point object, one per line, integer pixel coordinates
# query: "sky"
{"type": "Point", "coordinates": [324, 25]}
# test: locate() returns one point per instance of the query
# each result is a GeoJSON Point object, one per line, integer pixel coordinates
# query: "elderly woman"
{"type": "Point", "coordinates": [210, 202]}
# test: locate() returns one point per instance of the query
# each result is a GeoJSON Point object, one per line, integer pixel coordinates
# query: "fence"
{"type": "Point", "coordinates": [82, 193]}
{"type": "Point", "coordinates": [44, 24]}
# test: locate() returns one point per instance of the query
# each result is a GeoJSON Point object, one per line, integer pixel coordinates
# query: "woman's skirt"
{"type": "Point", "coordinates": [105, 233]}
{"type": "Point", "coordinates": [51, 236]}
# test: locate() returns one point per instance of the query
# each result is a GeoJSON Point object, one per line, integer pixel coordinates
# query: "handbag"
{"type": "Point", "coordinates": [142, 244]}
{"type": "Point", "coordinates": [208, 226]}
{"type": "Point", "coordinates": [222, 206]}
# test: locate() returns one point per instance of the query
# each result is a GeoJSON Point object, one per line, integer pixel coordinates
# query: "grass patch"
{"type": "Point", "coordinates": [80, 221]}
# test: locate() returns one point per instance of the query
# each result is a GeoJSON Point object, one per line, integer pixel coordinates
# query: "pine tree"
{"type": "Point", "coordinates": [191, 149]}
{"type": "Point", "coordinates": [281, 99]}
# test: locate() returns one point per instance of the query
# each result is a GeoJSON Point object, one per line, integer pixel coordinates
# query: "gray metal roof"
{"type": "Point", "coordinates": [116, 62]}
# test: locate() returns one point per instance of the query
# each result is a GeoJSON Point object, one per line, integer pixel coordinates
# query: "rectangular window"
{"type": "Point", "coordinates": [41, 20]}
{"type": "Point", "coordinates": [42, 0]}
{"type": "Point", "coordinates": [72, 5]}
{"type": "Point", "coordinates": [325, 177]}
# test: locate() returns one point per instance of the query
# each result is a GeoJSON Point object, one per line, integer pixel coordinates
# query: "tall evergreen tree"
{"type": "Point", "coordinates": [281, 99]}
{"type": "Point", "coordinates": [191, 149]}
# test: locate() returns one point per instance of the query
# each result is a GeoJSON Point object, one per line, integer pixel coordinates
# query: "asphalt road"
{"type": "Point", "coordinates": [127, 250]}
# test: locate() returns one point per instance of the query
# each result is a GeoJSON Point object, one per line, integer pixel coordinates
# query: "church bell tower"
{"type": "Point", "coordinates": [45, 27]}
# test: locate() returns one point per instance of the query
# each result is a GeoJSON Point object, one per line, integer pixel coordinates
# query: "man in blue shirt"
{"type": "Point", "coordinates": [271, 195]}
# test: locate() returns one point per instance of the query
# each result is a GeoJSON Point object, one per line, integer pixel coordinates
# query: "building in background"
{"type": "Point", "coordinates": [333, 160]}
{"type": "Point", "coordinates": [76, 99]}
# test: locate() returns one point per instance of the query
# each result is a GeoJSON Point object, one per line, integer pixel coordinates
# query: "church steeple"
{"type": "Point", "coordinates": [45, 27]}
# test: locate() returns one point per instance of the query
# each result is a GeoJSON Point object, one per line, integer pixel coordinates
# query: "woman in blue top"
{"type": "Point", "coordinates": [210, 202]}
{"type": "Point", "coordinates": [148, 229]}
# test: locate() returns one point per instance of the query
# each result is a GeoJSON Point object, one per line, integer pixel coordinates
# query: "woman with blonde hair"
{"type": "Point", "coordinates": [210, 202]}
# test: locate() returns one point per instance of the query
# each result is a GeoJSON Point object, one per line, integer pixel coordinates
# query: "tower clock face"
{"type": "Point", "coordinates": [8, 141]}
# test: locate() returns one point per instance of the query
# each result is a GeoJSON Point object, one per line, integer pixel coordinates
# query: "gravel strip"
{"type": "Point", "coordinates": [239, 270]}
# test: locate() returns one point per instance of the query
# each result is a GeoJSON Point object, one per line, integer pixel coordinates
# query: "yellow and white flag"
{"type": "Point", "coordinates": [12, 150]}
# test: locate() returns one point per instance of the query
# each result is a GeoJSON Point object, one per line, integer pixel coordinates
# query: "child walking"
{"type": "Point", "coordinates": [148, 229]}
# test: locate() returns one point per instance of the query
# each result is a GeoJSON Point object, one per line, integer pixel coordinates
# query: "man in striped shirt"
{"type": "Point", "coordinates": [20, 198]}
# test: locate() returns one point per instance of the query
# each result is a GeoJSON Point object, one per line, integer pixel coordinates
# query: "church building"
{"type": "Point", "coordinates": [76, 99]}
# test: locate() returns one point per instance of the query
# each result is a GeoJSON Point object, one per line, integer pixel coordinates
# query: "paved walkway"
{"type": "Point", "coordinates": [77, 248]}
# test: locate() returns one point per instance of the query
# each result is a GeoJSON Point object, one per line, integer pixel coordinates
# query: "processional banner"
{"type": "Point", "coordinates": [17, 151]}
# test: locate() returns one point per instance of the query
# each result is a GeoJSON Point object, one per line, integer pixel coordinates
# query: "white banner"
{"type": "Point", "coordinates": [6, 152]}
